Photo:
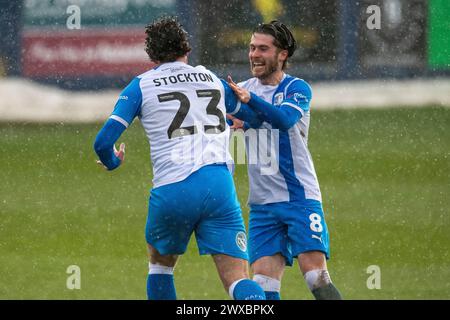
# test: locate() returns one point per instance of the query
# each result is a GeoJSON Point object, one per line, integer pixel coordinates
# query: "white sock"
{"type": "Point", "coordinates": [159, 269]}
{"type": "Point", "coordinates": [317, 278]}
{"type": "Point", "coordinates": [267, 283]}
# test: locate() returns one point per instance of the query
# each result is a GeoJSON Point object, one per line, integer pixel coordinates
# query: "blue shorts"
{"type": "Point", "coordinates": [205, 203]}
{"type": "Point", "coordinates": [289, 228]}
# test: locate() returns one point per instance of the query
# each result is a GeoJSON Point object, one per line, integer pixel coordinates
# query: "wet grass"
{"type": "Point", "coordinates": [385, 180]}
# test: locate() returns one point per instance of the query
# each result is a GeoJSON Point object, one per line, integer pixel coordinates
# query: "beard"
{"type": "Point", "coordinates": [264, 71]}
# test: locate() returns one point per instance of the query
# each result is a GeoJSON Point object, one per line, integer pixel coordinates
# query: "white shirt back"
{"type": "Point", "coordinates": [183, 115]}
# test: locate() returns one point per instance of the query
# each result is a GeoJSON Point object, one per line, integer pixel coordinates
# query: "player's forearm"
{"type": "Point", "coordinates": [254, 123]}
{"type": "Point", "coordinates": [104, 143]}
{"type": "Point", "coordinates": [281, 118]}
{"type": "Point", "coordinates": [245, 113]}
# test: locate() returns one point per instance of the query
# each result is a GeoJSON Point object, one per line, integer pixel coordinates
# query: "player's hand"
{"type": "Point", "coordinates": [118, 153]}
{"type": "Point", "coordinates": [237, 124]}
{"type": "Point", "coordinates": [121, 153]}
{"type": "Point", "coordinates": [242, 94]}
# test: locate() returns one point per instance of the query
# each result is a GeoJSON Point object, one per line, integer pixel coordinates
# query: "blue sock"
{"type": "Point", "coordinates": [161, 287]}
{"type": "Point", "coordinates": [272, 295]}
{"type": "Point", "coordinates": [247, 289]}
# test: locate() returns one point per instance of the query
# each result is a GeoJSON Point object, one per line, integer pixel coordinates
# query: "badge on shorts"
{"type": "Point", "coordinates": [241, 241]}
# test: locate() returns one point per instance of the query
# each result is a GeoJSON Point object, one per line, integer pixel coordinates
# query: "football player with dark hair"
{"type": "Point", "coordinates": [286, 216]}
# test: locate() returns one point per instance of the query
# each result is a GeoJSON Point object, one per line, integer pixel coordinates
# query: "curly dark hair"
{"type": "Point", "coordinates": [166, 40]}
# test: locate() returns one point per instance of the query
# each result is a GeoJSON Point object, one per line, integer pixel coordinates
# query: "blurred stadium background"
{"type": "Point", "coordinates": [380, 139]}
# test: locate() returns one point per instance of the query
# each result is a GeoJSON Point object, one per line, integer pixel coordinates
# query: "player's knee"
{"type": "Point", "coordinates": [272, 266]}
{"type": "Point", "coordinates": [156, 258]}
{"type": "Point", "coordinates": [268, 271]}
{"type": "Point", "coordinates": [312, 260]}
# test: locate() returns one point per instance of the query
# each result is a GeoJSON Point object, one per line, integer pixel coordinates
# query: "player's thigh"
{"type": "Point", "coordinates": [221, 229]}
{"type": "Point", "coordinates": [173, 213]}
{"type": "Point", "coordinates": [267, 234]}
{"type": "Point", "coordinates": [307, 229]}
{"type": "Point", "coordinates": [222, 234]}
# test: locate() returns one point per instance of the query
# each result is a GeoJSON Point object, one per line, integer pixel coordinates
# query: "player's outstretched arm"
{"type": "Point", "coordinates": [104, 145]}
{"type": "Point", "coordinates": [126, 109]}
{"type": "Point", "coordinates": [281, 117]}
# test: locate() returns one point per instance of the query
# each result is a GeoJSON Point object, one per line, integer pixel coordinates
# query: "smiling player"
{"type": "Point", "coordinates": [286, 215]}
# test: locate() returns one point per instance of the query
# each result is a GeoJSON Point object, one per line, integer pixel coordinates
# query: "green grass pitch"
{"type": "Point", "coordinates": [385, 180]}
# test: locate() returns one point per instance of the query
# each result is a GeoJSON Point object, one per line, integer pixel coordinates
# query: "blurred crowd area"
{"type": "Point", "coordinates": [98, 44]}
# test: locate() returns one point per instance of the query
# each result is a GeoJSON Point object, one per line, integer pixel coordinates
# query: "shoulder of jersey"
{"type": "Point", "coordinates": [300, 82]}
{"type": "Point", "coordinates": [200, 67]}
{"type": "Point", "coordinates": [147, 73]}
{"type": "Point", "coordinates": [163, 69]}
{"type": "Point", "coordinates": [204, 69]}
{"type": "Point", "coordinates": [293, 78]}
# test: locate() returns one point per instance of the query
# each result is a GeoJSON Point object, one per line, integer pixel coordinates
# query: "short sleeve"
{"type": "Point", "coordinates": [298, 96]}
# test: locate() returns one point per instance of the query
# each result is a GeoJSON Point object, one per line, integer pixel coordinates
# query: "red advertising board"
{"type": "Point", "coordinates": [81, 53]}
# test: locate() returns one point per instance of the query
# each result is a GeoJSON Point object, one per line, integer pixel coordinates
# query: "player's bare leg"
{"type": "Point", "coordinates": [230, 269]}
{"type": "Point", "coordinates": [271, 266]}
{"type": "Point", "coordinates": [313, 266]}
{"type": "Point", "coordinates": [235, 278]}
{"type": "Point", "coordinates": [268, 272]}
{"type": "Point", "coordinates": [312, 260]}
{"type": "Point", "coordinates": [160, 283]}
{"type": "Point", "coordinates": [165, 260]}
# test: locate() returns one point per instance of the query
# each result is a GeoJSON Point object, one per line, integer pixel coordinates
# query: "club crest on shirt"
{"type": "Point", "coordinates": [278, 98]}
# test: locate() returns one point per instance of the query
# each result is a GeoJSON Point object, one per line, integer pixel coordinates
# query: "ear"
{"type": "Point", "coordinates": [283, 55]}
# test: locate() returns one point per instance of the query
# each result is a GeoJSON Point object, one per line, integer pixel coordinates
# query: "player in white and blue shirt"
{"type": "Point", "coordinates": [286, 215]}
{"type": "Point", "coordinates": [182, 110]}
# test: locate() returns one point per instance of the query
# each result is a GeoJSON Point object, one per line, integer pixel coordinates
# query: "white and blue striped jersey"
{"type": "Point", "coordinates": [295, 179]}
{"type": "Point", "coordinates": [182, 110]}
